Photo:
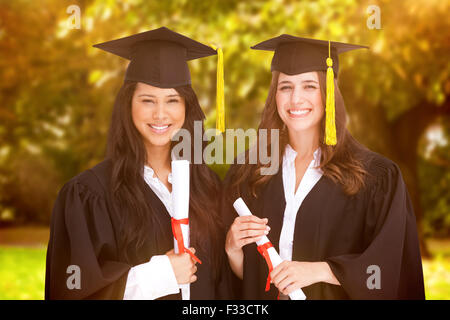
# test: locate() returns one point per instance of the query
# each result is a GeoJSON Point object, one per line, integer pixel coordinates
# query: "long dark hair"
{"type": "Point", "coordinates": [340, 163]}
{"type": "Point", "coordinates": [125, 147]}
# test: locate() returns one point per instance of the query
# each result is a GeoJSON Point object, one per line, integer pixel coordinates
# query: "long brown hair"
{"type": "Point", "coordinates": [127, 151]}
{"type": "Point", "coordinates": [340, 162]}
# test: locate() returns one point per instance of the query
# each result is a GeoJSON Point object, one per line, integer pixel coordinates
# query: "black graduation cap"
{"type": "Point", "coordinates": [158, 57]}
{"type": "Point", "coordinates": [294, 55]}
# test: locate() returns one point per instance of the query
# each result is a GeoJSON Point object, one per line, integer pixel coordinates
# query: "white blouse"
{"type": "Point", "coordinates": [295, 198]}
{"type": "Point", "coordinates": [155, 278]}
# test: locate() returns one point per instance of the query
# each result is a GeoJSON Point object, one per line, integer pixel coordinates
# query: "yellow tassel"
{"type": "Point", "coordinates": [220, 95]}
{"type": "Point", "coordinates": [330, 125]}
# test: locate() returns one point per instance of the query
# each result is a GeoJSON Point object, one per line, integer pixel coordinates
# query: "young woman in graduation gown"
{"type": "Point", "coordinates": [338, 214]}
{"type": "Point", "coordinates": [113, 222]}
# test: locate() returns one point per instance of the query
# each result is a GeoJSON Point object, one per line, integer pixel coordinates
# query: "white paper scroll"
{"type": "Point", "coordinates": [180, 201]}
{"type": "Point", "coordinates": [242, 209]}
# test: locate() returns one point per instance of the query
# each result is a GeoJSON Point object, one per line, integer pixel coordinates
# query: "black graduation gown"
{"type": "Point", "coordinates": [85, 231]}
{"type": "Point", "coordinates": [376, 226]}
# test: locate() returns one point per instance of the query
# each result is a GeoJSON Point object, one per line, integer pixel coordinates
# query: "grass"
{"type": "Point", "coordinates": [437, 278]}
{"type": "Point", "coordinates": [22, 272]}
{"type": "Point", "coordinates": [436, 271]}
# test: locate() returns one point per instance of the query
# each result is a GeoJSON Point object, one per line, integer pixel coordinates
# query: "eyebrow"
{"type": "Point", "coordinates": [152, 96]}
{"type": "Point", "coordinates": [289, 82]}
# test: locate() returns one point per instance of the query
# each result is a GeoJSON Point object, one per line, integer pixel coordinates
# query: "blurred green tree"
{"type": "Point", "coordinates": [57, 91]}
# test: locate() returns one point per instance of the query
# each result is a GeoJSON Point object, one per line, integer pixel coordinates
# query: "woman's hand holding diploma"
{"type": "Point", "coordinates": [266, 249]}
{"type": "Point", "coordinates": [183, 266]}
{"type": "Point", "coordinates": [244, 230]}
{"type": "Point", "coordinates": [291, 275]}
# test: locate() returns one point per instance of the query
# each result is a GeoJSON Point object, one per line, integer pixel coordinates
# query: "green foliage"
{"type": "Point", "coordinates": [57, 91]}
{"type": "Point", "coordinates": [435, 179]}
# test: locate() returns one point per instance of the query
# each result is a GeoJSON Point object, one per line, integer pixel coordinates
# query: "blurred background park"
{"type": "Point", "coordinates": [57, 92]}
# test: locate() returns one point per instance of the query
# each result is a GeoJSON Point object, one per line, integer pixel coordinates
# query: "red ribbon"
{"type": "Point", "coordinates": [178, 235]}
{"type": "Point", "coordinates": [262, 249]}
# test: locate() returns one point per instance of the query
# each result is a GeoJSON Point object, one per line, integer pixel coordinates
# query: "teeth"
{"type": "Point", "coordinates": [159, 128]}
{"type": "Point", "coordinates": [299, 112]}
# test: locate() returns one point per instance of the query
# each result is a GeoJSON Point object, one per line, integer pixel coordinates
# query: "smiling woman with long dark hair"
{"type": "Point", "coordinates": [112, 223]}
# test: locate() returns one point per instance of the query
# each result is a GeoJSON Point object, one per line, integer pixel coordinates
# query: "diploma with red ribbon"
{"type": "Point", "coordinates": [266, 249]}
{"type": "Point", "coordinates": [179, 239]}
{"type": "Point", "coordinates": [180, 219]}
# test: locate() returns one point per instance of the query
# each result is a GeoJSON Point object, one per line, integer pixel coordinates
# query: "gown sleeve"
{"type": "Point", "coordinates": [228, 214]}
{"type": "Point", "coordinates": [391, 244]}
{"type": "Point", "coordinates": [82, 235]}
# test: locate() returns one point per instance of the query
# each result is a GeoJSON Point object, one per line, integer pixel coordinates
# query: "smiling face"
{"type": "Point", "coordinates": [157, 113]}
{"type": "Point", "coordinates": [299, 101]}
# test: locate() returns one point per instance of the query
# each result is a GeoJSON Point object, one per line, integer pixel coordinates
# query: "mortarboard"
{"type": "Point", "coordinates": [294, 55]}
{"type": "Point", "coordinates": [159, 58]}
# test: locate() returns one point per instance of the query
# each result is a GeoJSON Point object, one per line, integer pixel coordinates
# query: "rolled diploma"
{"type": "Point", "coordinates": [242, 210]}
{"type": "Point", "coordinates": [180, 202]}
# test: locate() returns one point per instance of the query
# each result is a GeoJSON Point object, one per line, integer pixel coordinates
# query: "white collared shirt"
{"type": "Point", "coordinates": [155, 278]}
{"type": "Point", "coordinates": [159, 188]}
{"type": "Point", "coordinates": [295, 198]}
